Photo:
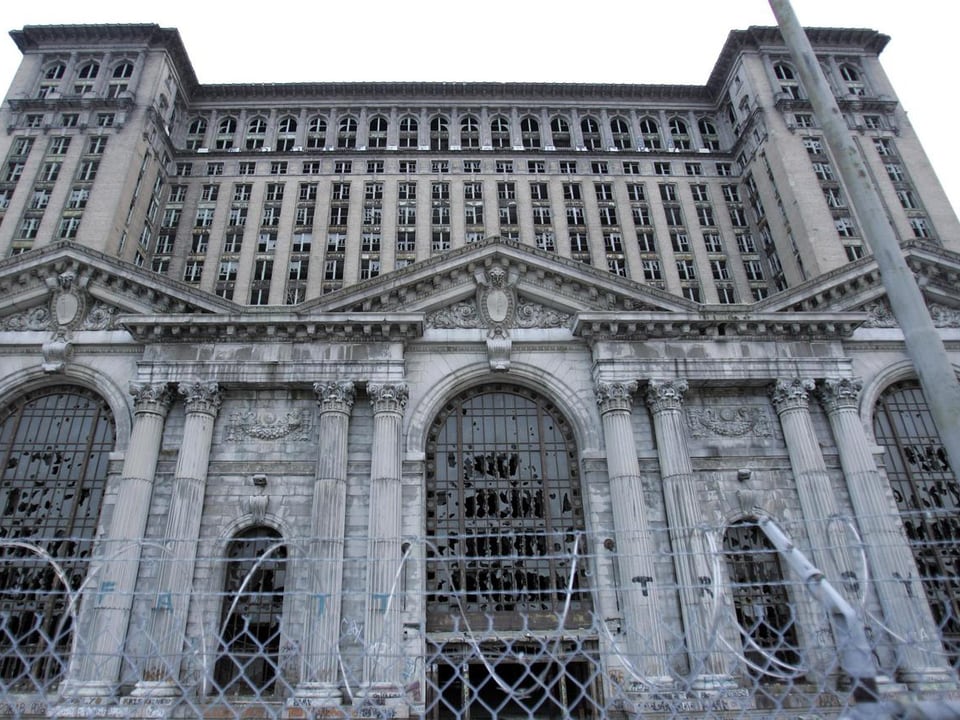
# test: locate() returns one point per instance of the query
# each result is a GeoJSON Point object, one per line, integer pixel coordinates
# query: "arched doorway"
{"type": "Point", "coordinates": [55, 444]}
{"type": "Point", "coordinates": [763, 609]}
{"type": "Point", "coordinates": [505, 559]}
{"type": "Point", "coordinates": [928, 498]}
{"type": "Point", "coordinates": [251, 613]}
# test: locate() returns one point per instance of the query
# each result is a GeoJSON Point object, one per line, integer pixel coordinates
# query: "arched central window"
{"type": "Point", "coordinates": [928, 497]}
{"type": "Point", "coordinates": [249, 662]}
{"type": "Point", "coordinates": [55, 445]}
{"type": "Point", "coordinates": [504, 513]}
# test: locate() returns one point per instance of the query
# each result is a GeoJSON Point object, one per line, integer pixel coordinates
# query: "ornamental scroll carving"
{"type": "Point", "coordinates": [293, 425]}
{"type": "Point", "coordinates": [729, 421]}
{"type": "Point", "coordinates": [498, 309]}
{"type": "Point", "coordinates": [881, 315]}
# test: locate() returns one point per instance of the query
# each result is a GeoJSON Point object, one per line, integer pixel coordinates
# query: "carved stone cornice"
{"type": "Point", "coordinates": [839, 394]}
{"type": "Point", "coordinates": [201, 397]}
{"type": "Point", "coordinates": [615, 395]}
{"type": "Point", "coordinates": [791, 393]}
{"type": "Point", "coordinates": [390, 398]}
{"type": "Point", "coordinates": [153, 398]}
{"type": "Point", "coordinates": [666, 395]}
{"type": "Point", "coordinates": [335, 396]}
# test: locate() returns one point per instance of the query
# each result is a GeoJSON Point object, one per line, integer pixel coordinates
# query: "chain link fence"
{"type": "Point", "coordinates": [512, 626]}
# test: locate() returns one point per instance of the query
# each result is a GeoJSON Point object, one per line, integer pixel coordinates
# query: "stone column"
{"type": "Point", "coordinates": [642, 620]}
{"type": "Point", "coordinates": [920, 660]}
{"type": "Point", "coordinates": [96, 668]}
{"type": "Point", "coordinates": [709, 664]}
{"type": "Point", "coordinates": [182, 533]}
{"type": "Point", "coordinates": [817, 496]}
{"type": "Point", "coordinates": [319, 673]}
{"type": "Point", "coordinates": [382, 663]}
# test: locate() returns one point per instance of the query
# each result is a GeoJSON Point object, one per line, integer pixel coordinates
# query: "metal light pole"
{"type": "Point", "coordinates": [923, 342]}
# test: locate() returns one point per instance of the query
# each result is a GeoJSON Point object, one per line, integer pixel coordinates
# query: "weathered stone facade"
{"type": "Point", "coordinates": [322, 420]}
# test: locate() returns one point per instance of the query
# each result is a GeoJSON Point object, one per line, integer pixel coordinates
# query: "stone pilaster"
{"type": "Point", "coordinates": [181, 536]}
{"type": "Point", "coordinates": [709, 665]}
{"type": "Point", "coordinates": [383, 663]}
{"type": "Point", "coordinates": [920, 659]}
{"type": "Point", "coordinates": [319, 673]}
{"type": "Point", "coordinates": [639, 592]}
{"type": "Point", "coordinates": [96, 666]}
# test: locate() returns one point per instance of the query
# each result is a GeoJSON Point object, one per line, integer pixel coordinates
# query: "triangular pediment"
{"type": "Point", "coordinates": [68, 287]}
{"type": "Point", "coordinates": [540, 281]}
{"type": "Point", "coordinates": [858, 287]}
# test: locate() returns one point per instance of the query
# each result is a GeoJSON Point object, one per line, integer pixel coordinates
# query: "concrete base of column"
{"type": "Point", "coordinates": [155, 689]}
{"type": "Point", "coordinates": [316, 695]}
{"type": "Point", "coordinates": [929, 678]}
{"type": "Point", "coordinates": [386, 696]}
{"type": "Point", "coordinates": [81, 690]}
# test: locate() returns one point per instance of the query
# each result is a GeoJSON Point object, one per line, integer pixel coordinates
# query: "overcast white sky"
{"type": "Point", "coordinates": [621, 41]}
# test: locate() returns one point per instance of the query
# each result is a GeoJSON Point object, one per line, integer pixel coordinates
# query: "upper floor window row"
{"type": "Point", "coordinates": [86, 75]}
{"type": "Point", "coordinates": [848, 79]}
{"type": "Point", "coordinates": [414, 130]}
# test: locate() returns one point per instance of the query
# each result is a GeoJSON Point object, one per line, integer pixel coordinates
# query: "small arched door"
{"type": "Point", "coordinates": [251, 614]}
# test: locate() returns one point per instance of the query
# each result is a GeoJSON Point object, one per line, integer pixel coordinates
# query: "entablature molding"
{"type": "Point", "coordinates": [712, 325]}
{"type": "Point", "coordinates": [273, 327]}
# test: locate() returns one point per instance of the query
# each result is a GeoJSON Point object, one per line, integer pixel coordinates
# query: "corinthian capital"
{"type": "Point", "coordinates": [791, 393]}
{"type": "Point", "coordinates": [666, 394]}
{"type": "Point", "coordinates": [334, 396]}
{"type": "Point", "coordinates": [151, 397]}
{"type": "Point", "coordinates": [201, 397]}
{"type": "Point", "coordinates": [615, 396]}
{"type": "Point", "coordinates": [839, 393]}
{"type": "Point", "coordinates": [388, 397]}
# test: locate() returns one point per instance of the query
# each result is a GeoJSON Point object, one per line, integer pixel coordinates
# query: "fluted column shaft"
{"type": "Point", "coordinates": [182, 533]}
{"type": "Point", "coordinates": [319, 675]}
{"type": "Point", "coordinates": [635, 557]}
{"type": "Point", "coordinates": [97, 669]}
{"type": "Point", "coordinates": [708, 664]}
{"type": "Point", "coordinates": [920, 660]}
{"type": "Point", "coordinates": [816, 494]}
{"type": "Point", "coordinates": [382, 663]}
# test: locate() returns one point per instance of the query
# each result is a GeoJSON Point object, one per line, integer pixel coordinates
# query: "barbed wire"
{"type": "Point", "coordinates": [467, 635]}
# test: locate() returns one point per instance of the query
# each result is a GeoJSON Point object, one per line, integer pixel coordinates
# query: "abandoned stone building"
{"type": "Point", "coordinates": [459, 399]}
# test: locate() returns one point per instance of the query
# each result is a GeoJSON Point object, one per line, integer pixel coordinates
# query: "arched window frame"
{"type": "Point", "coordinates": [927, 494]}
{"type": "Point", "coordinates": [679, 133]}
{"type": "Point", "coordinates": [590, 133]}
{"type": "Point", "coordinates": [620, 132]}
{"type": "Point", "coordinates": [500, 132]}
{"type": "Point", "coordinates": [409, 135]}
{"type": "Point", "coordinates": [650, 132]}
{"type": "Point", "coordinates": [560, 132]}
{"type": "Point", "coordinates": [316, 132]}
{"type": "Point", "coordinates": [709, 135]}
{"type": "Point", "coordinates": [469, 132]}
{"type": "Point", "coordinates": [439, 133]}
{"type": "Point", "coordinates": [377, 132]}
{"type": "Point", "coordinates": [347, 132]}
{"type": "Point", "coordinates": [787, 78]}
{"type": "Point", "coordinates": [286, 133]}
{"type": "Point", "coordinates": [852, 77]}
{"type": "Point", "coordinates": [53, 484]}
{"type": "Point", "coordinates": [530, 133]}
{"type": "Point", "coordinates": [226, 129]}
